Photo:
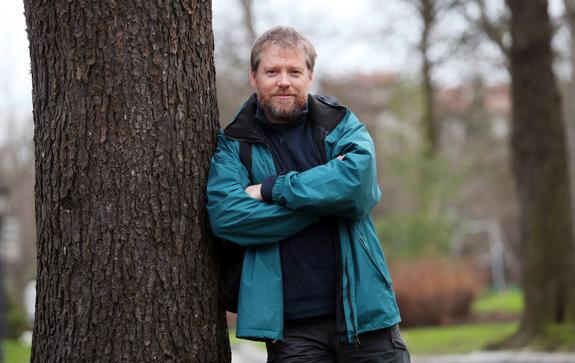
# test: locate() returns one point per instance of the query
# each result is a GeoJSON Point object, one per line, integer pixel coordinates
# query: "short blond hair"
{"type": "Point", "coordinates": [285, 37]}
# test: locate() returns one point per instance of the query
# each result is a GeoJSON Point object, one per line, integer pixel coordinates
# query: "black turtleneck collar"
{"type": "Point", "coordinates": [321, 110]}
{"type": "Point", "coordinates": [260, 116]}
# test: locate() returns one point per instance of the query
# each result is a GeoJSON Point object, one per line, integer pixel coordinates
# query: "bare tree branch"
{"type": "Point", "coordinates": [494, 29]}
{"type": "Point", "coordinates": [248, 20]}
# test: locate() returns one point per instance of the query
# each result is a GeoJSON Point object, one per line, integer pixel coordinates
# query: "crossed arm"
{"type": "Point", "coordinates": [255, 190]}
{"type": "Point", "coordinates": [237, 217]}
{"type": "Point", "coordinates": [345, 186]}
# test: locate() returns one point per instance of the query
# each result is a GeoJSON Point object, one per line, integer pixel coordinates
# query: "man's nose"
{"type": "Point", "coordinates": [283, 80]}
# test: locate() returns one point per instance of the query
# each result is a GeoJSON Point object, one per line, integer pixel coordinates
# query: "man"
{"type": "Point", "coordinates": [314, 284]}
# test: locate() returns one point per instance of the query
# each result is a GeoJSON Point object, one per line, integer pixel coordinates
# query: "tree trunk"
{"type": "Point", "coordinates": [125, 123]}
{"type": "Point", "coordinates": [570, 95]}
{"type": "Point", "coordinates": [248, 20]}
{"type": "Point", "coordinates": [430, 124]}
{"type": "Point", "coordinates": [541, 171]}
{"type": "Point", "coordinates": [427, 10]}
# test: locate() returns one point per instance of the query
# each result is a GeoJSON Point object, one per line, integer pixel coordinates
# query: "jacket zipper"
{"type": "Point", "coordinates": [351, 310]}
{"type": "Point", "coordinates": [320, 143]}
{"type": "Point", "coordinates": [320, 136]}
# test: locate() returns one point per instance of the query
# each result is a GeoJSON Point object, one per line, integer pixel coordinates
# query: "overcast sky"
{"type": "Point", "coordinates": [370, 35]}
{"type": "Point", "coordinates": [15, 81]}
{"type": "Point", "coordinates": [320, 19]}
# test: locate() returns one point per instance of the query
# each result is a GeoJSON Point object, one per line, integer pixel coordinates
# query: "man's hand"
{"type": "Point", "coordinates": [255, 191]}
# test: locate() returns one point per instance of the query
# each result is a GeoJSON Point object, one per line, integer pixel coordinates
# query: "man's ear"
{"type": "Point", "coordinates": [253, 79]}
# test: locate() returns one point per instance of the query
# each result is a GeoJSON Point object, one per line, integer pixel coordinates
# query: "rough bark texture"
{"type": "Point", "coordinates": [541, 171]}
{"type": "Point", "coordinates": [125, 122]}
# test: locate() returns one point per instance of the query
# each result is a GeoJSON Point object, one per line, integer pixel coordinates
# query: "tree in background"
{"type": "Point", "coordinates": [541, 171]}
{"type": "Point", "coordinates": [248, 20]}
{"type": "Point", "coordinates": [431, 14]}
{"type": "Point", "coordinates": [428, 11]}
{"type": "Point", "coordinates": [569, 21]}
{"type": "Point", "coordinates": [493, 25]}
{"type": "Point", "coordinates": [17, 174]}
{"type": "Point", "coordinates": [417, 165]}
{"type": "Point", "coordinates": [232, 61]}
{"type": "Point", "coordinates": [125, 123]}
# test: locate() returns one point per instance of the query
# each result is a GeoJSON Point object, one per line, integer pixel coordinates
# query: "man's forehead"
{"type": "Point", "coordinates": [274, 52]}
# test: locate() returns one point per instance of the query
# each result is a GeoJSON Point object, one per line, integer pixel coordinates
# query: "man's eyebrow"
{"type": "Point", "coordinates": [291, 68]}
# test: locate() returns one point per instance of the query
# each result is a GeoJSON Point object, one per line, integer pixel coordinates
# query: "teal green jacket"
{"type": "Point", "coordinates": [346, 188]}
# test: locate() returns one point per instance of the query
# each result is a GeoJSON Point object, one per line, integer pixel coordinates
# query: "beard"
{"type": "Point", "coordinates": [282, 112]}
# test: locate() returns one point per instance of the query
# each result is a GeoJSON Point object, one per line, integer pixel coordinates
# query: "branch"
{"type": "Point", "coordinates": [248, 20]}
{"type": "Point", "coordinates": [493, 29]}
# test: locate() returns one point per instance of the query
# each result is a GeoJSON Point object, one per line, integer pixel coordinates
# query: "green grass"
{"type": "Point", "coordinates": [456, 339]}
{"type": "Point", "coordinates": [469, 337]}
{"type": "Point", "coordinates": [16, 352]}
{"type": "Point", "coordinates": [508, 302]}
{"type": "Point", "coordinates": [234, 341]}
{"type": "Point", "coordinates": [443, 340]}
{"type": "Point", "coordinates": [558, 338]}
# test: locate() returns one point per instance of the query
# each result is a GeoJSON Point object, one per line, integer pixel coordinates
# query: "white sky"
{"type": "Point", "coordinates": [15, 80]}
{"type": "Point", "coordinates": [348, 38]}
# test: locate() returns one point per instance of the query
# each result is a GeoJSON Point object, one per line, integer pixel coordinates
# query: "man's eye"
{"type": "Point", "coordinates": [271, 73]}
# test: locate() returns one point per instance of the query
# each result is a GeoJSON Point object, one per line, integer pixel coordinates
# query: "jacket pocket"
{"type": "Point", "coordinates": [363, 243]}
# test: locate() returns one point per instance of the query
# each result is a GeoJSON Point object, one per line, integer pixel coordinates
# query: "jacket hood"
{"type": "Point", "coordinates": [324, 112]}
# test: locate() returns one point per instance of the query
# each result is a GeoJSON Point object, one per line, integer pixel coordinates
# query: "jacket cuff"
{"type": "Point", "coordinates": [267, 187]}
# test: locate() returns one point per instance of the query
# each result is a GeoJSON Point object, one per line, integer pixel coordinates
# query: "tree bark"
{"type": "Point", "coordinates": [125, 123]}
{"type": "Point", "coordinates": [540, 167]}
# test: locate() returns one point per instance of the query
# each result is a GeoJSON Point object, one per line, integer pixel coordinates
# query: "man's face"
{"type": "Point", "coordinates": [282, 82]}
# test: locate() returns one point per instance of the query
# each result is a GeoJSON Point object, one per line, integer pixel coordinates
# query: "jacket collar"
{"type": "Point", "coordinates": [323, 112]}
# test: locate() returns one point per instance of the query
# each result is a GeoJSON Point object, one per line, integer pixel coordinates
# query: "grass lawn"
{"type": "Point", "coordinates": [16, 352]}
{"type": "Point", "coordinates": [559, 338]}
{"type": "Point", "coordinates": [508, 302]}
{"type": "Point", "coordinates": [234, 341]}
{"type": "Point", "coordinates": [456, 338]}
{"type": "Point", "coordinates": [442, 340]}
{"type": "Point", "coordinates": [433, 340]}
{"type": "Point", "coordinates": [452, 339]}
{"type": "Point", "coordinates": [465, 338]}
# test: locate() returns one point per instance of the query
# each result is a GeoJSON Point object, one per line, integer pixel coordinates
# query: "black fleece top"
{"type": "Point", "coordinates": [308, 257]}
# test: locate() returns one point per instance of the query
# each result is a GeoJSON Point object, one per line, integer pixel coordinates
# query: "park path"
{"type": "Point", "coordinates": [248, 353]}
{"type": "Point", "coordinates": [499, 357]}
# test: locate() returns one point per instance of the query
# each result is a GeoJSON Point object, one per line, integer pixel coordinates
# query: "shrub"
{"type": "Point", "coordinates": [415, 234]}
{"type": "Point", "coordinates": [435, 290]}
{"type": "Point", "coordinates": [16, 322]}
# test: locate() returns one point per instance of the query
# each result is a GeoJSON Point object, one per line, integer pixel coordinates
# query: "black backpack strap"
{"type": "Point", "coordinates": [246, 158]}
